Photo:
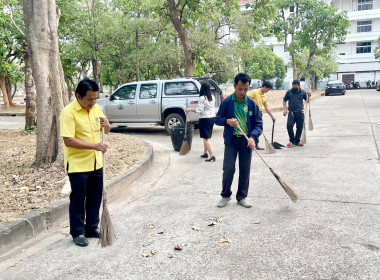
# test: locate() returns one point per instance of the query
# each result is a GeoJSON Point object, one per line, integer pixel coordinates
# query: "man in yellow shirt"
{"type": "Point", "coordinates": [80, 126]}
{"type": "Point", "coordinates": [258, 95]}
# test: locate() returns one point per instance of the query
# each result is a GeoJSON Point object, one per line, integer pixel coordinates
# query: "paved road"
{"type": "Point", "coordinates": [332, 232]}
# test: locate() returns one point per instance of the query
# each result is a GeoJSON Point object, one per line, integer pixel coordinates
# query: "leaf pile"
{"type": "Point", "coordinates": [24, 187]}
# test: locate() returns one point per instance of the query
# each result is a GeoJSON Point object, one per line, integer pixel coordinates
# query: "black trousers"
{"type": "Point", "coordinates": [295, 118]}
{"type": "Point", "coordinates": [239, 147]}
{"type": "Point", "coordinates": [85, 201]}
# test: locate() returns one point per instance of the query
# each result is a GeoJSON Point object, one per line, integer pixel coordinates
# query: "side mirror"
{"type": "Point", "coordinates": [112, 98]}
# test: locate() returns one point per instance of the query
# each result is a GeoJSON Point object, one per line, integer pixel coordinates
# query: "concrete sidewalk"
{"type": "Point", "coordinates": [332, 232]}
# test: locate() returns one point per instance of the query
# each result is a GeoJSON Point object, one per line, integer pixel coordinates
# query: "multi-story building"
{"type": "Point", "coordinates": [356, 54]}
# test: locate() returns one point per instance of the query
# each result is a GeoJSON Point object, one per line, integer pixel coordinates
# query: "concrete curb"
{"type": "Point", "coordinates": [13, 234]}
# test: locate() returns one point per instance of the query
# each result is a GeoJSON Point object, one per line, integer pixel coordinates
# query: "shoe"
{"type": "Point", "coordinates": [205, 155]}
{"type": "Point", "coordinates": [290, 145]}
{"type": "Point", "coordinates": [244, 203]}
{"type": "Point", "coordinates": [211, 159]}
{"type": "Point", "coordinates": [80, 240]}
{"type": "Point", "coordinates": [259, 148]}
{"type": "Point", "coordinates": [94, 234]}
{"type": "Point", "coordinates": [300, 144]}
{"type": "Point", "coordinates": [223, 202]}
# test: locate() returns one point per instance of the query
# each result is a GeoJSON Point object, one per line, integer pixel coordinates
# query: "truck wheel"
{"type": "Point", "coordinates": [173, 120]}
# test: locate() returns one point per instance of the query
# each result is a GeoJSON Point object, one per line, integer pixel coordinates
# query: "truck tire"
{"type": "Point", "coordinates": [173, 120]}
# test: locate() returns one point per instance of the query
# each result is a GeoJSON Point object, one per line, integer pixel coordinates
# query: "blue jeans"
{"type": "Point", "coordinates": [238, 146]}
{"type": "Point", "coordinates": [85, 201]}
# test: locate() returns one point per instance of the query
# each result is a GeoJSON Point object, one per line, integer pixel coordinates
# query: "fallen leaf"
{"type": "Point", "coordinates": [153, 252]}
{"type": "Point", "coordinates": [152, 226]}
{"type": "Point", "coordinates": [212, 224]}
{"type": "Point", "coordinates": [150, 237]}
{"type": "Point", "coordinates": [256, 223]}
{"type": "Point", "coordinates": [161, 232]}
{"type": "Point", "coordinates": [224, 240]}
{"type": "Point", "coordinates": [178, 247]}
{"type": "Point", "coordinates": [145, 255]}
{"type": "Point", "coordinates": [146, 244]}
{"type": "Point", "coordinates": [196, 228]}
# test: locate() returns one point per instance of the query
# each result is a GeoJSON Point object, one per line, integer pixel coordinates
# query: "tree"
{"type": "Point", "coordinates": [313, 26]}
{"type": "Point", "coordinates": [41, 20]}
{"type": "Point", "coordinates": [377, 49]}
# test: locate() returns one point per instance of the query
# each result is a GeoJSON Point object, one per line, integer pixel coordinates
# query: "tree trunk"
{"type": "Point", "coordinates": [4, 91]}
{"type": "Point", "coordinates": [8, 87]}
{"type": "Point", "coordinates": [40, 20]}
{"type": "Point", "coordinates": [182, 33]}
{"type": "Point", "coordinates": [30, 92]}
{"type": "Point", "coordinates": [95, 69]}
{"type": "Point", "coordinates": [138, 59]}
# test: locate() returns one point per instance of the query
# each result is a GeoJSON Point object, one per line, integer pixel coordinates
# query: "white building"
{"type": "Point", "coordinates": [356, 54]}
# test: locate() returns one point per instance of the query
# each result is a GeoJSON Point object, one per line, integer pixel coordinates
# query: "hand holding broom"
{"type": "Point", "coordinates": [293, 196]}
{"type": "Point", "coordinates": [107, 233]}
{"type": "Point", "coordinates": [185, 148]}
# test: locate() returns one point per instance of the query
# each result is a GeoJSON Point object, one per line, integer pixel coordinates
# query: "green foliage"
{"type": "Point", "coordinates": [29, 130]}
{"type": "Point", "coordinates": [377, 49]}
{"type": "Point", "coordinates": [321, 66]}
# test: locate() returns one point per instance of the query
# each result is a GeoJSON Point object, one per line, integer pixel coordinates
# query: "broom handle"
{"type": "Point", "coordinates": [187, 105]}
{"type": "Point", "coordinates": [272, 131]}
{"type": "Point", "coordinates": [103, 169]}
{"type": "Point", "coordinates": [246, 137]}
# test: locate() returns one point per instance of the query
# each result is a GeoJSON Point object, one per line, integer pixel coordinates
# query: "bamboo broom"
{"type": "Point", "coordinates": [269, 149]}
{"type": "Point", "coordinates": [107, 232]}
{"type": "Point", "coordinates": [185, 148]}
{"type": "Point", "coordinates": [293, 196]}
{"type": "Point", "coordinates": [311, 126]}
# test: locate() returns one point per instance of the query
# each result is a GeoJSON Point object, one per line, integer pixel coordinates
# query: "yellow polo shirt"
{"type": "Point", "coordinates": [76, 122]}
{"type": "Point", "coordinates": [259, 98]}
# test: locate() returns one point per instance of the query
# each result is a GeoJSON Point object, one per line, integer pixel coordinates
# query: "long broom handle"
{"type": "Point", "coordinates": [103, 169]}
{"type": "Point", "coordinates": [187, 105]}
{"type": "Point", "coordinates": [272, 131]}
{"type": "Point", "coordinates": [246, 137]}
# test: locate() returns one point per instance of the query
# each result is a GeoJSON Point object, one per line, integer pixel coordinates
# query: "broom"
{"type": "Point", "coordinates": [269, 149]}
{"type": "Point", "coordinates": [185, 148]}
{"type": "Point", "coordinates": [107, 233]}
{"type": "Point", "coordinates": [293, 196]}
{"type": "Point", "coordinates": [311, 127]}
{"type": "Point", "coordinates": [303, 135]}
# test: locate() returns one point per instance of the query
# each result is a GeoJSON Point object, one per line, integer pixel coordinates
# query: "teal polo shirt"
{"type": "Point", "coordinates": [241, 114]}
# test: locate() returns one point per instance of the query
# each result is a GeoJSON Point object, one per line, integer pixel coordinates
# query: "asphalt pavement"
{"type": "Point", "coordinates": [332, 232]}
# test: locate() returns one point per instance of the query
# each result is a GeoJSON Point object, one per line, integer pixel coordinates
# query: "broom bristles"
{"type": "Point", "coordinates": [311, 127]}
{"type": "Point", "coordinates": [293, 196]}
{"type": "Point", "coordinates": [269, 148]}
{"type": "Point", "coordinates": [185, 148]}
{"type": "Point", "coordinates": [107, 233]}
{"type": "Point", "coordinates": [303, 135]}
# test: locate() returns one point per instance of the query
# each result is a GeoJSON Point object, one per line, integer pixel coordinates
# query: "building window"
{"type": "Point", "coordinates": [291, 9]}
{"type": "Point", "coordinates": [363, 47]}
{"type": "Point", "coordinates": [364, 26]}
{"type": "Point", "coordinates": [364, 5]}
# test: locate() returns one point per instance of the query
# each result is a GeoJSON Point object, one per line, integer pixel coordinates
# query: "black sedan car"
{"type": "Point", "coordinates": [335, 87]}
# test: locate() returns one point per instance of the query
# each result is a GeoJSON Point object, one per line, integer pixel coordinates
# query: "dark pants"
{"type": "Point", "coordinates": [295, 118]}
{"type": "Point", "coordinates": [85, 201]}
{"type": "Point", "coordinates": [238, 146]}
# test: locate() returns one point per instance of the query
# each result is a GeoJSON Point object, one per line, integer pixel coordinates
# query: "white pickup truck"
{"type": "Point", "coordinates": [160, 102]}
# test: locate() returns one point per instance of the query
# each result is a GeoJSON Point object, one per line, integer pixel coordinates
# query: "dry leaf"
{"type": "Point", "coordinates": [178, 247]}
{"type": "Point", "coordinates": [161, 232]}
{"type": "Point", "coordinates": [224, 240]}
{"type": "Point", "coordinates": [196, 228]}
{"type": "Point", "coordinates": [150, 237]}
{"type": "Point", "coordinates": [145, 255]}
{"type": "Point", "coordinates": [212, 224]}
{"type": "Point", "coordinates": [153, 252]}
{"type": "Point", "coordinates": [146, 244]}
{"type": "Point", "coordinates": [256, 223]}
{"type": "Point", "coordinates": [152, 226]}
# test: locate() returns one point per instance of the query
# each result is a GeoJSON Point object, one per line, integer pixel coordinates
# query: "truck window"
{"type": "Point", "coordinates": [180, 88]}
{"type": "Point", "coordinates": [148, 91]}
{"type": "Point", "coordinates": [126, 92]}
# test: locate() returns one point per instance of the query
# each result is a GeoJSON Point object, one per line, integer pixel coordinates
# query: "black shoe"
{"type": "Point", "coordinates": [211, 159]}
{"type": "Point", "coordinates": [80, 240]}
{"type": "Point", "coordinates": [94, 234]}
{"type": "Point", "coordinates": [205, 155]}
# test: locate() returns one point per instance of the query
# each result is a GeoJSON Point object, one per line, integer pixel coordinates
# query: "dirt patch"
{"type": "Point", "coordinates": [24, 187]}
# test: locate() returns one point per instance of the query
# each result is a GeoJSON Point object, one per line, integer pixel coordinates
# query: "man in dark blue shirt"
{"type": "Point", "coordinates": [295, 97]}
{"type": "Point", "coordinates": [238, 109]}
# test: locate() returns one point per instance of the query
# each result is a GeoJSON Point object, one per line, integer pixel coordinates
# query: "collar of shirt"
{"type": "Point", "coordinates": [235, 100]}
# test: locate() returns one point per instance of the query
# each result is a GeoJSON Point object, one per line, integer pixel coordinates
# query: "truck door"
{"type": "Point", "coordinates": [148, 103]}
{"type": "Point", "coordinates": [121, 106]}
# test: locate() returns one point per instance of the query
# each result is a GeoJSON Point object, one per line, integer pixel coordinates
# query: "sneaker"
{"type": "Point", "coordinates": [223, 202]}
{"type": "Point", "coordinates": [80, 240]}
{"type": "Point", "coordinates": [290, 145]}
{"type": "Point", "coordinates": [244, 203]}
{"type": "Point", "coordinates": [300, 144]}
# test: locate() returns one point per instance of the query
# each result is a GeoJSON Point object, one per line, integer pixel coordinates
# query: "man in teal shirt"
{"type": "Point", "coordinates": [238, 109]}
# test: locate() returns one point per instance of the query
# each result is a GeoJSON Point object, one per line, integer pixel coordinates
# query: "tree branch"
{"type": "Point", "coordinates": [13, 21]}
